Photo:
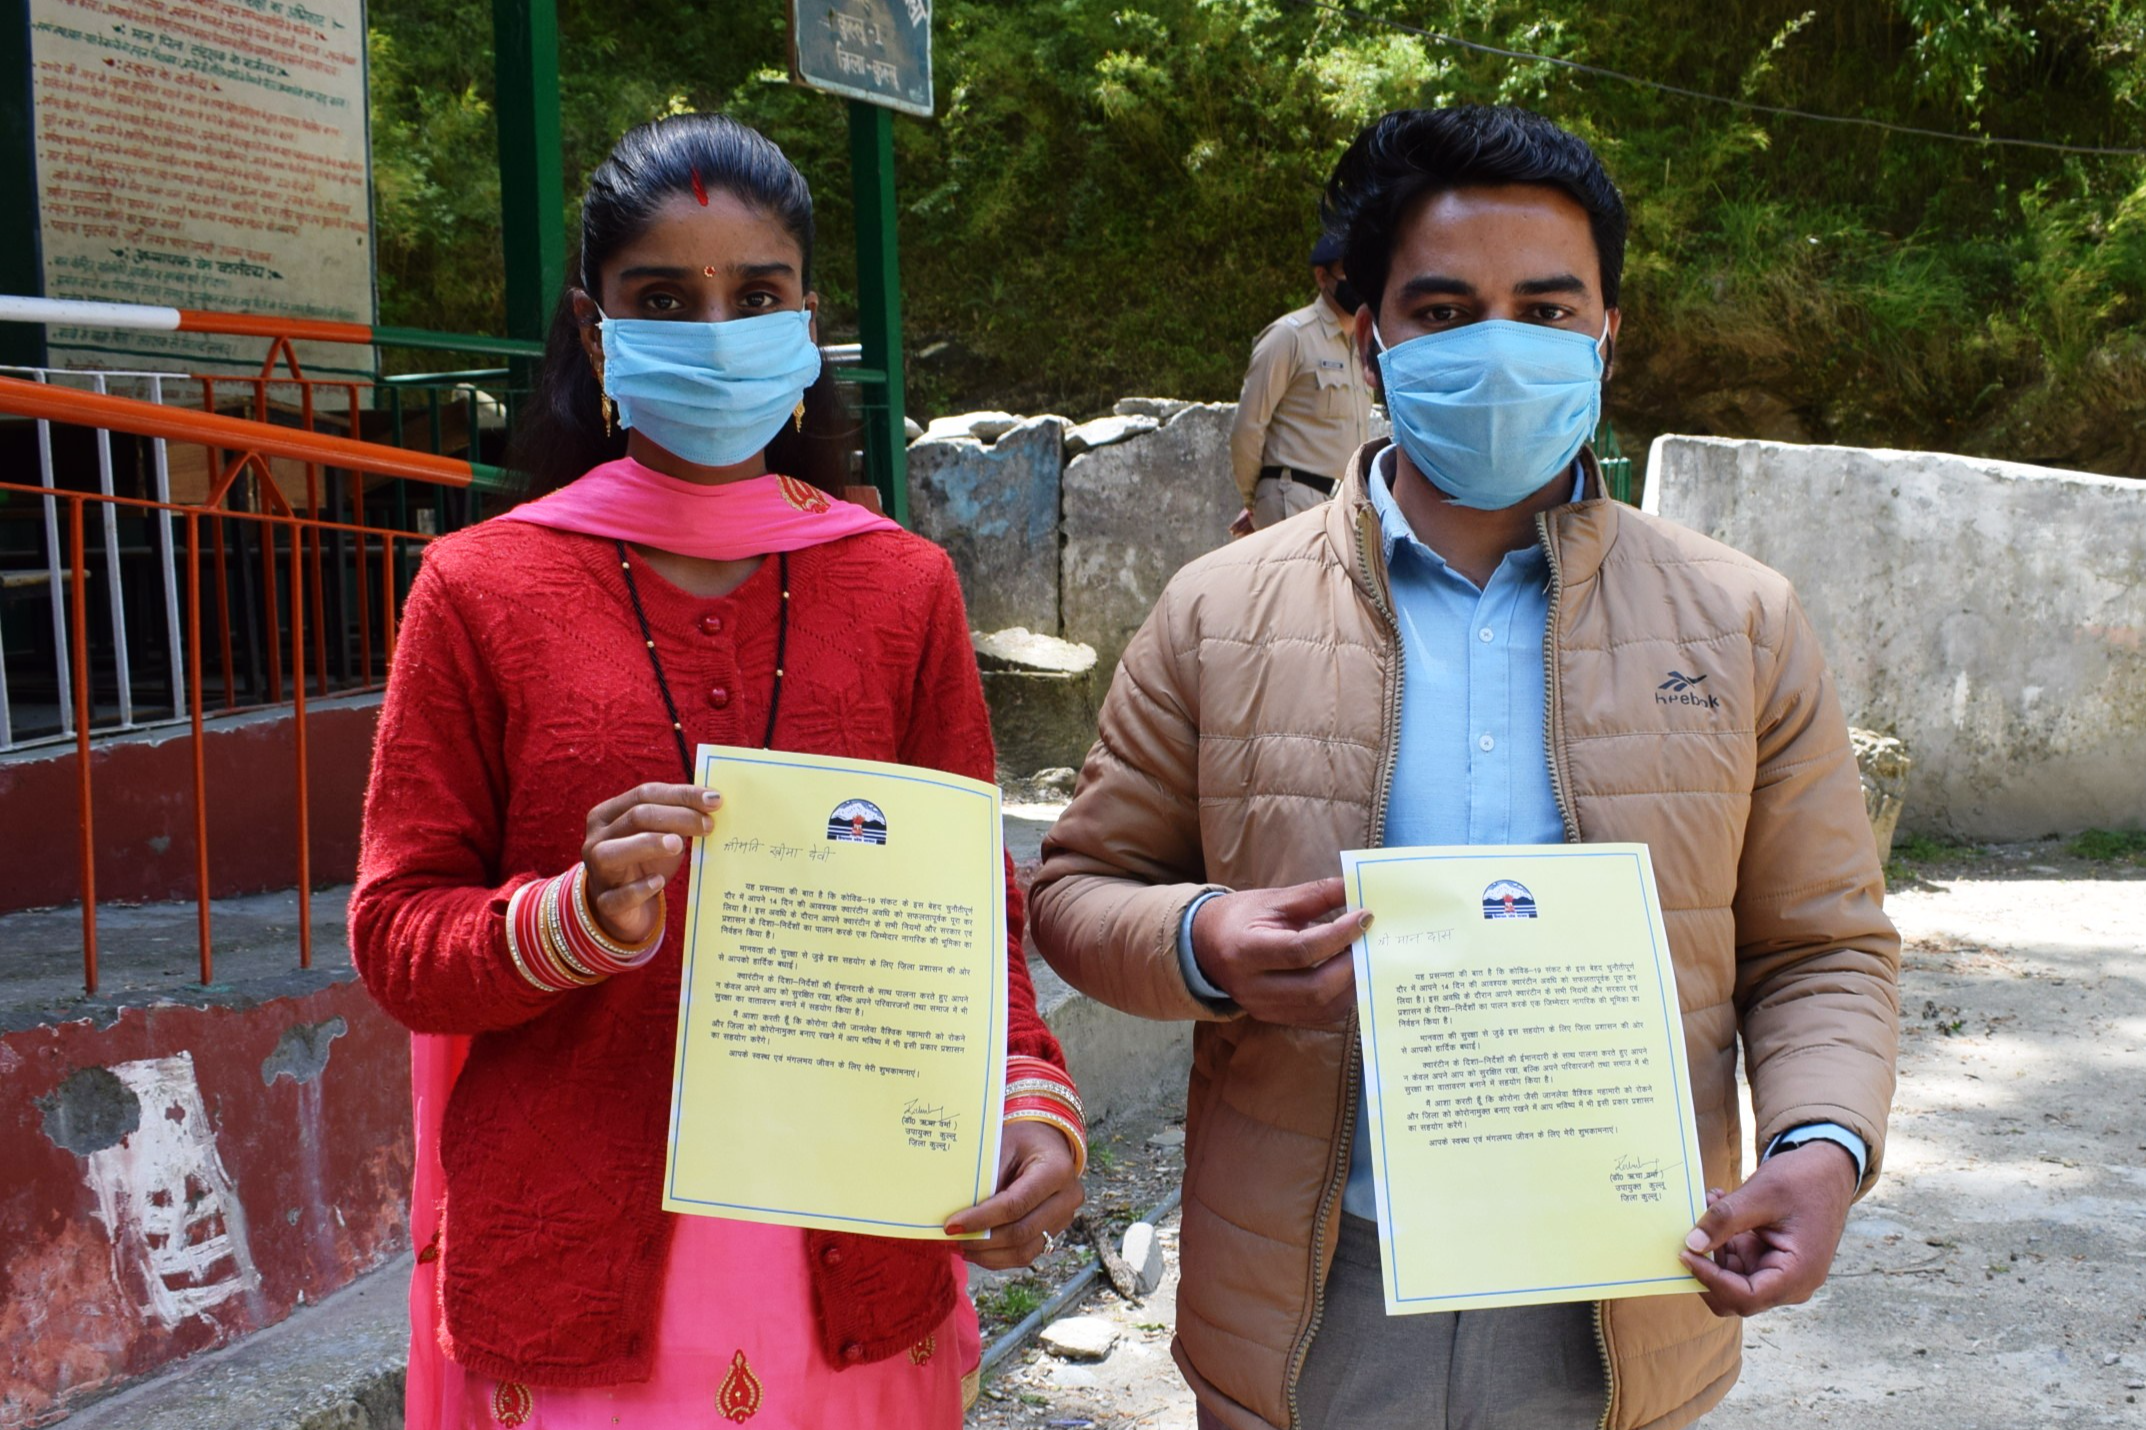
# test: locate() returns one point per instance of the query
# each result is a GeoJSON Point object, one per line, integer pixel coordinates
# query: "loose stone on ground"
{"type": "Point", "coordinates": [1079, 1338]}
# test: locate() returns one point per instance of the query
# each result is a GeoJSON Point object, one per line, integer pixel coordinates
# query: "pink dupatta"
{"type": "Point", "coordinates": [757, 516]}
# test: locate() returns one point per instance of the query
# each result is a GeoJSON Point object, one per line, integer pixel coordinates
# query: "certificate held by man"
{"type": "Point", "coordinates": [1531, 1124]}
{"type": "Point", "coordinates": [842, 1010]}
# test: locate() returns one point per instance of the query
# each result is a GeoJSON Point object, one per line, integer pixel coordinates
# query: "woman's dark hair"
{"type": "Point", "coordinates": [559, 431]}
{"type": "Point", "coordinates": [1404, 155]}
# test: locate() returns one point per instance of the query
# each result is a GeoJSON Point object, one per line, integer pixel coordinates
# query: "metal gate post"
{"type": "Point", "coordinates": [879, 302]}
{"type": "Point", "coordinates": [22, 264]}
{"type": "Point", "coordinates": [532, 188]}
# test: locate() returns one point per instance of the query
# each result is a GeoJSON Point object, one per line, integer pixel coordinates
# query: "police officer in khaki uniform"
{"type": "Point", "coordinates": [1305, 408]}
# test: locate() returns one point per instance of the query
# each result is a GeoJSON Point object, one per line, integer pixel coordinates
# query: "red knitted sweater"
{"type": "Point", "coordinates": [521, 697]}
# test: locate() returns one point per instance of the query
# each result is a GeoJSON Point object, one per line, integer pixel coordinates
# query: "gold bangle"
{"type": "Point", "coordinates": [1066, 1125]}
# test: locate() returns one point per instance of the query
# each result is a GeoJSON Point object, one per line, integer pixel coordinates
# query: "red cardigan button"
{"type": "Point", "coordinates": [830, 1256]}
{"type": "Point", "coordinates": [853, 1352]}
{"type": "Point", "coordinates": [711, 624]}
{"type": "Point", "coordinates": [718, 697]}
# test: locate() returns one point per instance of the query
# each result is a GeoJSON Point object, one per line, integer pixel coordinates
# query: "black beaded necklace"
{"type": "Point", "coordinates": [648, 638]}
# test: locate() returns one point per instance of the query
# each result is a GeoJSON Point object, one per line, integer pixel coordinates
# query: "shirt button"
{"type": "Point", "coordinates": [719, 697]}
{"type": "Point", "coordinates": [1486, 743]}
{"type": "Point", "coordinates": [1486, 634]}
{"type": "Point", "coordinates": [712, 625]}
{"type": "Point", "coordinates": [830, 1256]}
{"type": "Point", "coordinates": [853, 1352]}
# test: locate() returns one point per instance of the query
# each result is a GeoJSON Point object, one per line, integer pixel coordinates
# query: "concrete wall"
{"type": "Point", "coordinates": [1991, 615]}
{"type": "Point", "coordinates": [142, 799]}
{"type": "Point", "coordinates": [179, 1176]}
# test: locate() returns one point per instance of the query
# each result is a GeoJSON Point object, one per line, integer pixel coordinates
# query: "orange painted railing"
{"type": "Point", "coordinates": [240, 455]}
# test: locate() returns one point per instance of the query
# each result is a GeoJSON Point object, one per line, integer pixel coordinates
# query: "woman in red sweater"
{"type": "Point", "coordinates": [689, 579]}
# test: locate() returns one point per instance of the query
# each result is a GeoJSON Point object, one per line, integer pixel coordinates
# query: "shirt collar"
{"type": "Point", "coordinates": [1394, 530]}
{"type": "Point", "coordinates": [1330, 317]}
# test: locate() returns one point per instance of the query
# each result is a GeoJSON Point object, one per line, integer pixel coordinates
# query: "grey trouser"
{"type": "Point", "coordinates": [1527, 1368]}
{"type": "Point", "coordinates": [1278, 498]}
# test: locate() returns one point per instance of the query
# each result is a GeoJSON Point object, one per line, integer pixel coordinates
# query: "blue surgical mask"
{"type": "Point", "coordinates": [712, 393]}
{"type": "Point", "coordinates": [1490, 412]}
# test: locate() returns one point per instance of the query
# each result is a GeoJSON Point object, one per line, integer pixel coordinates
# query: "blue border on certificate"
{"type": "Point", "coordinates": [993, 1063]}
{"type": "Point", "coordinates": [1676, 1073]}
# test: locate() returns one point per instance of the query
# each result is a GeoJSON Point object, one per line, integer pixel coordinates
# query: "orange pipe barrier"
{"type": "Point", "coordinates": [178, 424]}
{"type": "Point", "coordinates": [301, 531]}
{"type": "Point", "coordinates": [78, 643]}
{"type": "Point", "coordinates": [201, 774]}
{"type": "Point", "coordinates": [261, 325]}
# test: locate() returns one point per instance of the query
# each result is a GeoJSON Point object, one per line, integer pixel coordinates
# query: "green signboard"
{"type": "Point", "coordinates": [876, 51]}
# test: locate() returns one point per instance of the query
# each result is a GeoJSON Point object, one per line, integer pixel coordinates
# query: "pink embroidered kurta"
{"type": "Point", "coordinates": [734, 1338]}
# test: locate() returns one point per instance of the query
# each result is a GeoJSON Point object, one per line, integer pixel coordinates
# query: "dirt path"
{"type": "Point", "coordinates": [1997, 1276]}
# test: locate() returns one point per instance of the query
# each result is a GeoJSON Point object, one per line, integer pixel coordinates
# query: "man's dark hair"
{"type": "Point", "coordinates": [1409, 153]}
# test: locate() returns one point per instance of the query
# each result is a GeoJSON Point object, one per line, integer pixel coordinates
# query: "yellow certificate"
{"type": "Point", "coordinates": [1531, 1122]}
{"type": "Point", "coordinates": [842, 1014]}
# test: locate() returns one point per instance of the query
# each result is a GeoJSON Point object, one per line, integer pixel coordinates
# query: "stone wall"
{"type": "Point", "coordinates": [1073, 531]}
{"type": "Point", "coordinates": [1990, 615]}
{"type": "Point", "coordinates": [995, 508]}
{"type": "Point", "coordinates": [1135, 511]}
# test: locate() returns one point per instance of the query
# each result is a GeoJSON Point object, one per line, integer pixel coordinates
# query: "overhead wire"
{"type": "Point", "coordinates": [1753, 106]}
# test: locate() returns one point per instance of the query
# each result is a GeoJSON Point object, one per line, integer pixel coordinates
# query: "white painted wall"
{"type": "Point", "coordinates": [1991, 615]}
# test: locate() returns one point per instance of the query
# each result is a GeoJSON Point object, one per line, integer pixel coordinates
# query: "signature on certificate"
{"type": "Point", "coordinates": [1641, 1179]}
{"type": "Point", "coordinates": [930, 1126]}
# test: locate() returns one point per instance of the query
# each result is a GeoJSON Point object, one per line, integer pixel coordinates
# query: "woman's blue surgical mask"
{"type": "Point", "coordinates": [712, 393]}
{"type": "Point", "coordinates": [1492, 411]}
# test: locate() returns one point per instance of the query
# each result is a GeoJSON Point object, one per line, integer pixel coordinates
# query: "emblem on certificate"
{"type": "Point", "coordinates": [857, 821]}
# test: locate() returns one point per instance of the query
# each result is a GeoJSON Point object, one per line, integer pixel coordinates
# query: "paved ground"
{"type": "Point", "coordinates": [151, 953]}
{"type": "Point", "coordinates": [1996, 1278]}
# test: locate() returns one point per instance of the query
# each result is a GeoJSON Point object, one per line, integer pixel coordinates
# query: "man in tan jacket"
{"type": "Point", "coordinates": [1471, 644]}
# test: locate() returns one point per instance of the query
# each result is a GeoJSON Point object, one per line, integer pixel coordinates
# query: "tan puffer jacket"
{"type": "Point", "coordinates": [1249, 737]}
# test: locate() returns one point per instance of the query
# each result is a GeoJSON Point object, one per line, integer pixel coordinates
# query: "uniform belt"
{"type": "Point", "coordinates": [1302, 478]}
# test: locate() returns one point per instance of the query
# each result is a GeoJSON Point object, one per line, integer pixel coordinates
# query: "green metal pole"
{"type": "Point", "coordinates": [22, 264]}
{"type": "Point", "coordinates": [879, 300]}
{"type": "Point", "coordinates": [532, 187]}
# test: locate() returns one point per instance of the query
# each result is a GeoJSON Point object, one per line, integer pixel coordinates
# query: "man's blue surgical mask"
{"type": "Point", "coordinates": [712, 393]}
{"type": "Point", "coordinates": [1490, 412]}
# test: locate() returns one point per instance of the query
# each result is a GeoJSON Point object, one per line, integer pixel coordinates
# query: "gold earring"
{"type": "Point", "coordinates": [610, 413]}
{"type": "Point", "coordinates": [800, 414]}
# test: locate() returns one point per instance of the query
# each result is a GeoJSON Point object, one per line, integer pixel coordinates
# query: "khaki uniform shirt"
{"type": "Point", "coordinates": [1305, 402]}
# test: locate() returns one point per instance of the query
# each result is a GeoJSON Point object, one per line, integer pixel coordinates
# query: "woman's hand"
{"type": "Point", "coordinates": [635, 845]}
{"type": "Point", "coordinates": [1038, 1193]}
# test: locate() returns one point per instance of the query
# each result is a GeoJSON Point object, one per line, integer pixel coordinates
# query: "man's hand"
{"type": "Point", "coordinates": [1772, 1239]}
{"type": "Point", "coordinates": [1280, 953]}
{"type": "Point", "coordinates": [1242, 526]}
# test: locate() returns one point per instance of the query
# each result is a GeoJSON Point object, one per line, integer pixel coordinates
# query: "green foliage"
{"type": "Point", "coordinates": [1922, 849]}
{"type": "Point", "coordinates": [1010, 1303]}
{"type": "Point", "coordinates": [1118, 194]}
{"type": "Point", "coordinates": [2109, 846]}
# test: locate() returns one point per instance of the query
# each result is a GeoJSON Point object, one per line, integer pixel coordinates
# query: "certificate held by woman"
{"type": "Point", "coordinates": [840, 1060]}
